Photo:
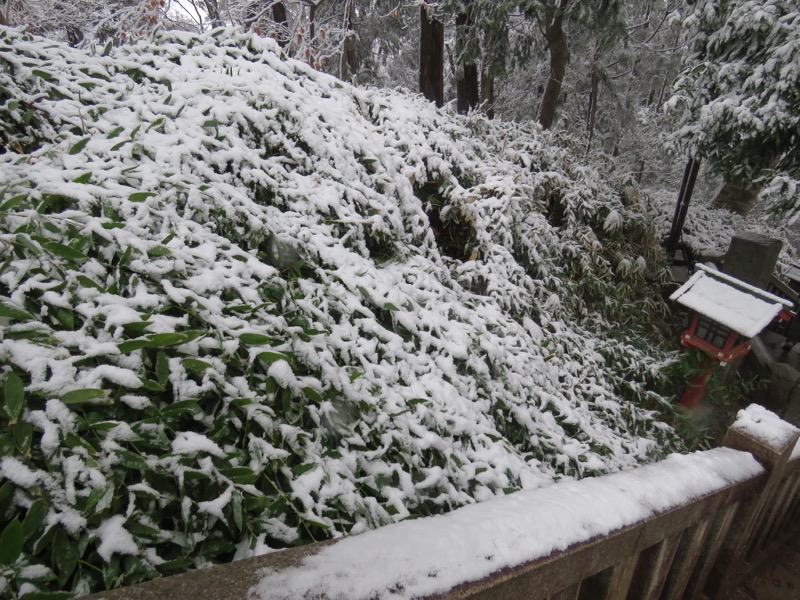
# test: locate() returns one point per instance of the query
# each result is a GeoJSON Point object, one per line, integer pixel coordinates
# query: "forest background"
{"type": "Point", "coordinates": [599, 71]}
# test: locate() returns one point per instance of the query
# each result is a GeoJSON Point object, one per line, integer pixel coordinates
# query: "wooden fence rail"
{"type": "Point", "coordinates": [704, 547]}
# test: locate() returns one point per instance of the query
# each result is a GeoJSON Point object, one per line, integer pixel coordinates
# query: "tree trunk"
{"type": "Point", "coordinates": [591, 117]}
{"type": "Point", "coordinates": [559, 58]}
{"type": "Point", "coordinates": [467, 89]}
{"type": "Point", "coordinates": [487, 93]}
{"type": "Point", "coordinates": [431, 57]}
{"type": "Point", "coordinates": [212, 10]}
{"type": "Point", "coordinates": [735, 198]}
{"type": "Point", "coordinates": [280, 19]}
{"type": "Point", "coordinates": [348, 64]}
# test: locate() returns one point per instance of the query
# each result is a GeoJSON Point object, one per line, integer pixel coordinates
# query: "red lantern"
{"type": "Point", "coordinates": [726, 313]}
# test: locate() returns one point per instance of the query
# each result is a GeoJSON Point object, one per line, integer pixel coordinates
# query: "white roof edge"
{"type": "Point", "coordinates": [750, 288]}
{"type": "Point", "coordinates": [687, 285]}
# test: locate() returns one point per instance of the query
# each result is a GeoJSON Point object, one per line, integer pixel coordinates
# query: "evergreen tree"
{"type": "Point", "coordinates": [738, 99]}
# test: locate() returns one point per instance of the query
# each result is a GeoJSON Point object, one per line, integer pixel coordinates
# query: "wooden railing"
{"type": "Point", "coordinates": [703, 547]}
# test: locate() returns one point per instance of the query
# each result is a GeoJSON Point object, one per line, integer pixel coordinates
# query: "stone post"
{"type": "Point", "coordinates": [771, 441]}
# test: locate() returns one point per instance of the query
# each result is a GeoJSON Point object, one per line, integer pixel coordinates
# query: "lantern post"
{"type": "Point", "coordinates": [725, 314]}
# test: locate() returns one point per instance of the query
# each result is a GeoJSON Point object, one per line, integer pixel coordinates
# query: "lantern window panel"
{"type": "Point", "coordinates": [712, 332]}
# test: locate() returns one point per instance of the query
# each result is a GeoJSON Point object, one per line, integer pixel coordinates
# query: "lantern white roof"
{"type": "Point", "coordinates": [729, 301]}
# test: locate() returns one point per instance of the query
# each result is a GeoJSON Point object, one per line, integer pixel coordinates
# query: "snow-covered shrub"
{"type": "Point", "coordinates": [245, 306]}
{"type": "Point", "coordinates": [708, 231]}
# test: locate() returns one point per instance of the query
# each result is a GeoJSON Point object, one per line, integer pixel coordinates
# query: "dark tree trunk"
{"type": "Point", "coordinates": [280, 19]}
{"type": "Point", "coordinates": [487, 93]}
{"type": "Point", "coordinates": [212, 10]}
{"type": "Point", "coordinates": [591, 117]}
{"type": "Point", "coordinates": [348, 65]}
{"type": "Point", "coordinates": [735, 198]}
{"type": "Point", "coordinates": [431, 57]}
{"type": "Point", "coordinates": [312, 21]}
{"type": "Point", "coordinates": [468, 94]}
{"type": "Point", "coordinates": [559, 58]}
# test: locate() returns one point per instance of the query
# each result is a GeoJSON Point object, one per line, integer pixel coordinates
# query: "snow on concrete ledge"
{"type": "Point", "coordinates": [737, 305]}
{"type": "Point", "coordinates": [766, 427]}
{"type": "Point", "coordinates": [433, 555]}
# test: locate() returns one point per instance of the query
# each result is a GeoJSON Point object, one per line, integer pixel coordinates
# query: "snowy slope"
{"type": "Point", "coordinates": [246, 306]}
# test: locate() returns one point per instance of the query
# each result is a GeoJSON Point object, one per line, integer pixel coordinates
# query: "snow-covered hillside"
{"type": "Point", "coordinates": [246, 306]}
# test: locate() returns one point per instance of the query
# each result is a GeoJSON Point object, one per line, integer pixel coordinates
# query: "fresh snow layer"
{"type": "Point", "coordinates": [432, 555]}
{"type": "Point", "coordinates": [231, 276]}
{"type": "Point", "coordinates": [747, 311]}
{"type": "Point", "coordinates": [766, 427]}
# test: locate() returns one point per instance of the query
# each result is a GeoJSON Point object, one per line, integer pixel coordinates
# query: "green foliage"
{"type": "Point", "coordinates": [738, 99]}
{"type": "Point", "coordinates": [265, 345]}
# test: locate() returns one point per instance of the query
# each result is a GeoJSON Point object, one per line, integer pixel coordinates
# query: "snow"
{"type": "Point", "coordinates": [114, 538]}
{"type": "Point", "coordinates": [265, 305]}
{"type": "Point", "coordinates": [432, 555]}
{"type": "Point", "coordinates": [726, 300]}
{"type": "Point", "coordinates": [766, 427]}
{"type": "Point", "coordinates": [189, 442]}
{"type": "Point", "coordinates": [17, 472]}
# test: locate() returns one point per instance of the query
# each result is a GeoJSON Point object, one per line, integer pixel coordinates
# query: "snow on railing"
{"type": "Point", "coordinates": [689, 525]}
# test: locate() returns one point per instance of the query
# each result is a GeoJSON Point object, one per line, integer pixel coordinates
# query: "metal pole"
{"type": "Point", "coordinates": [682, 206]}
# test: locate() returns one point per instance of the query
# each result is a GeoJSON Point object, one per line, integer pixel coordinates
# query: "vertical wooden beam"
{"type": "Point", "coordinates": [621, 576]}
{"type": "Point", "coordinates": [688, 554]}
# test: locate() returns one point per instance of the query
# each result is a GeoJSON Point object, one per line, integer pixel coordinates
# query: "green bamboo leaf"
{"type": "Point", "coordinates": [196, 365]}
{"type": "Point", "coordinates": [11, 203]}
{"type": "Point", "coordinates": [107, 47]}
{"type": "Point", "coordinates": [271, 357]}
{"type": "Point", "coordinates": [137, 328]}
{"type": "Point", "coordinates": [255, 339]}
{"type": "Point", "coordinates": [34, 519]}
{"type": "Point", "coordinates": [181, 407]}
{"type": "Point", "coordinates": [113, 225]}
{"type": "Point", "coordinates": [126, 256]}
{"type": "Point", "coordinates": [23, 436]}
{"type": "Point", "coordinates": [65, 555]}
{"type": "Point", "coordinates": [238, 516]}
{"type": "Point", "coordinates": [65, 251]}
{"type": "Point", "coordinates": [312, 394]}
{"type": "Point", "coordinates": [87, 282]}
{"type": "Point", "coordinates": [300, 469]}
{"type": "Point", "coordinates": [14, 395]}
{"type": "Point", "coordinates": [162, 367]}
{"type": "Point", "coordinates": [130, 345]}
{"type": "Point", "coordinates": [85, 178]}
{"type": "Point", "coordinates": [158, 251]}
{"type": "Point", "coordinates": [82, 395]}
{"type": "Point", "coordinates": [43, 74]}
{"type": "Point", "coordinates": [140, 196]}
{"type": "Point", "coordinates": [11, 541]}
{"type": "Point", "coordinates": [25, 241]}
{"type": "Point", "coordinates": [161, 340]}
{"type": "Point", "coordinates": [79, 146]}
{"type": "Point", "coordinates": [11, 312]}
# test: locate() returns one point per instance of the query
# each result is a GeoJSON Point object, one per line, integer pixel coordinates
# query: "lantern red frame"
{"type": "Point", "coordinates": [729, 350]}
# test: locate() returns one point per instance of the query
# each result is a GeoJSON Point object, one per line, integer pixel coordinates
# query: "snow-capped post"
{"type": "Point", "coordinates": [772, 441]}
{"type": "Point", "coordinates": [725, 314]}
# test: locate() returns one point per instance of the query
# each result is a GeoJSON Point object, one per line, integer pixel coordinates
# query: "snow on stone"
{"type": "Point", "coordinates": [729, 301]}
{"type": "Point", "coordinates": [432, 555]}
{"type": "Point", "coordinates": [766, 427]}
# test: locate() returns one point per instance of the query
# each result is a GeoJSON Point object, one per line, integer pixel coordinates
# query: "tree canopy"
{"type": "Point", "coordinates": [738, 99]}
